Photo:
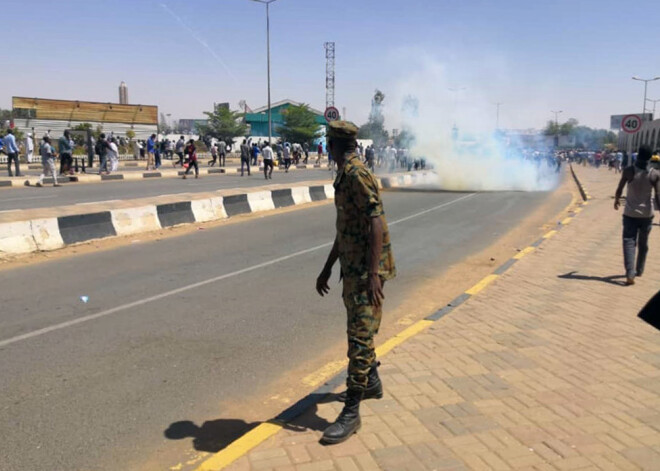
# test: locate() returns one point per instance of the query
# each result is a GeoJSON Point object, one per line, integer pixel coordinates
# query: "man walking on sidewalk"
{"type": "Point", "coordinates": [268, 161]}
{"type": "Point", "coordinates": [638, 213]}
{"type": "Point", "coordinates": [222, 152]}
{"type": "Point", "coordinates": [245, 156]}
{"type": "Point", "coordinates": [66, 149]}
{"type": "Point", "coordinates": [362, 245]}
{"type": "Point", "coordinates": [48, 162]}
{"type": "Point", "coordinates": [12, 152]}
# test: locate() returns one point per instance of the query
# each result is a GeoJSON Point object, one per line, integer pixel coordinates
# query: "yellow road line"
{"type": "Point", "coordinates": [577, 210]}
{"type": "Point", "coordinates": [235, 450]}
{"type": "Point", "coordinates": [398, 339]}
{"type": "Point", "coordinates": [323, 373]}
{"type": "Point", "coordinates": [566, 221]}
{"type": "Point", "coordinates": [524, 252]}
{"type": "Point", "coordinates": [482, 284]}
{"type": "Point", "coordinates": [549, 234]}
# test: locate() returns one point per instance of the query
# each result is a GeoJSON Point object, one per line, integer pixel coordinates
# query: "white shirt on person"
{"type": "Point", "coordinates": [267, 152]}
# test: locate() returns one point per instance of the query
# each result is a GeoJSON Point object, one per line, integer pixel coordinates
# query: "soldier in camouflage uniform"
{"type": "Point", "coordinates": [362, 245]}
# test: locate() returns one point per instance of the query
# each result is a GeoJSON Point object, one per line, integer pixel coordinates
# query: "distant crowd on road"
{"type": "Point", "coordinates": [615, 160]}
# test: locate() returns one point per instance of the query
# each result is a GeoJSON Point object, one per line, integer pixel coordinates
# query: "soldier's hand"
{"type": "Point", "coordinates": [322, 283]}
{"type": "Point", "coordinates": [616, 205]}
{"type": "Point", "coordinates": [375, 290]}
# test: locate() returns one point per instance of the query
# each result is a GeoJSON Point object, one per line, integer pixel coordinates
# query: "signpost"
{"type": "Point", "coordinates": [631, 123]}
{"type": "Point", "coordinates": [331, 114]}
{"type": "Point", "coordinates": [617, 119]}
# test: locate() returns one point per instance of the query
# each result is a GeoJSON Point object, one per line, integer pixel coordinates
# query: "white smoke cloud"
{"type": "Point", "coordinates": [424, 100]}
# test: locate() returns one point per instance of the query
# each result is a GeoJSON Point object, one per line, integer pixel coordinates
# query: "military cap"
{"type": "Point", "coordinates": [342, 130]}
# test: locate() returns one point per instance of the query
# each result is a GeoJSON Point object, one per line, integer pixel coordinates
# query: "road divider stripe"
{"type": "Point", "coordinates": [550, 234]}
{"type": "Point", "coordinates": [401, 337]}
{"type": "Point", "coordinates": [89, 226]}
{"type": "Point", "coordinates": [482, 284]}
{"type": "Point", "coordinates": [524, 252]}
{"type": "Point", "coordinates": [566, 221]}
{"type": "Point", "coordinates": [323, 373]}
{"type": "Point", "coordinates": [241, 446]}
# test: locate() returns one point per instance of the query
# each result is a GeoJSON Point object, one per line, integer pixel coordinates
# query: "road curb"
{"type": "Point", "coordinates": [21, 237]}
{"type": "Point", "coordinates": [139, 175]}
{"type": "Point", "coordinates": [583, 192]}
{"type": "Point", "coordinates": [250, 440]}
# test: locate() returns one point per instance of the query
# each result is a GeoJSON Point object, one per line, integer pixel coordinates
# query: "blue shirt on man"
{"type": "Point", "coordinates": [10, 142]}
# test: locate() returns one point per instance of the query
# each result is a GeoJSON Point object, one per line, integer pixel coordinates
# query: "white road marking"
{"type": "Point", "coordinates": [140, 302]}
{"type": "Point", "coordinates": [97, 202]}
{"type": "Point", "coordinates": [30, 198]}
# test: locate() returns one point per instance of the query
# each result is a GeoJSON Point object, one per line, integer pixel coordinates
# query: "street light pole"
{"type": "Point", "coordinates": [270, 117]}
{"type": "Point", "coordinates": [497, 120]}
{"type": "Point", "coordinates": [654, 102]}
{"type": "Point", "coordinates": [646, 84]}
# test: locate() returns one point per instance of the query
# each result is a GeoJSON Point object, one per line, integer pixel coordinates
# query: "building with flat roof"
{"type": "Point", "coordinates": [257, 119]}
{"type": "Point", "coordinates": [39, 115]}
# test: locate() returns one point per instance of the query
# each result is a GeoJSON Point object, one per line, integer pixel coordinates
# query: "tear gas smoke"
{"type": "Point", "coordinates": [454, 130]}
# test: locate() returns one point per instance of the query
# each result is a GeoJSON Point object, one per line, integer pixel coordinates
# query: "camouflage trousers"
{"type": "Point", "coordinates": [363, 322]}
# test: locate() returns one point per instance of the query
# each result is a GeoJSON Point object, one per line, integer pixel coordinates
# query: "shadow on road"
{"type": "Point", "coordinates": [605, 279]}
{"type": "Point", "coordinates": [651, 312]}
{"type": "Point", "coordinates": [215, 435]}
{"type": "Point", "coordinates": [212, 436]}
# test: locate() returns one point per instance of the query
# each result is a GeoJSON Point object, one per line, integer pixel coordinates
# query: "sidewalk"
{"type": "Point", "coordinates": [547, 368]}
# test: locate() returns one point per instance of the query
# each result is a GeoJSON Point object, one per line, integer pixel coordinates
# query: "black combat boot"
{"type": "Point", "coordinates": [374, 389]}
{"type": "Point", "coordinates": [348, 422]}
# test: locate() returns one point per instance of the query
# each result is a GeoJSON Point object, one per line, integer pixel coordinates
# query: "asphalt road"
{"type": "Point", "coordinates": [186, 325]}
{"type": "Point", "coordinates": [76, 193]}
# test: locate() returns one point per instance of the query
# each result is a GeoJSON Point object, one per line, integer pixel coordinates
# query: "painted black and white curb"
{"type": "Point", "coordinates": [36, 235]}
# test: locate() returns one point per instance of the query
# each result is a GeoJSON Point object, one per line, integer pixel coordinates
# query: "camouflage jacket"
{"type": "Point", "coordinates": [357, 200]}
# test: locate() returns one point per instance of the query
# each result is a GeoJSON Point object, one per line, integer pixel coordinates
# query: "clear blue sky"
{"type": "Point", "coordinates": [532, 55]}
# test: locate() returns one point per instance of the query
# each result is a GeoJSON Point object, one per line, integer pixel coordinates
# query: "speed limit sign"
{"type": "Point", "coordinates": [331, 114]}
{"type": "Point", "coordinates": [631, 123]}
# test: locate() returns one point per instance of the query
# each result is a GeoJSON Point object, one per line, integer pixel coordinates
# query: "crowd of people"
{"type": "Point", "coordinates": [614, 160]}
{"type": "Point", "coordinates": [183, 153]}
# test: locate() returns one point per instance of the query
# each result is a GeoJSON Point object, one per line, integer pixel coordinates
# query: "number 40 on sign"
{"type": "Point", "coordinates": [631, 123]}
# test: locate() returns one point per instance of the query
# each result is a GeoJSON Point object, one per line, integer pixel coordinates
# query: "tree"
{"type": "Point", "coordinates": [130, 134]}
{"type": "Point", "coordinates": [299, 125]}
{"type": "Point", "coordinates": [223, 124]}
{"type": "Point", "coordinates": [81, 139]}
{"type": "Point", "coordinates": [564, 129]}
{"type": "Point", "coordinates": [374, 128]}
{"type": "Point", "coordinates": [18, 134]}
{"type": "Point", "coordinates": [405, 139]}
{"type": "Point", "coordinates": [5, 115]}
{"type": "Point", "coordinates": [585, 137]}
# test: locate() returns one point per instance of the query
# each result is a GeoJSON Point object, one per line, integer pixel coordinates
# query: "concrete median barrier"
{"type": "Point", "coordinates": [129, 221]}
{"type": "Point", "coordinates": [67, 226]}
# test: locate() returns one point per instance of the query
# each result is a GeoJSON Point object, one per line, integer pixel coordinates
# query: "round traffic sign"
{"type": "Point", "coordinates": [331, 114]}
{"type": "Point", "coordinates": [631, 123]}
